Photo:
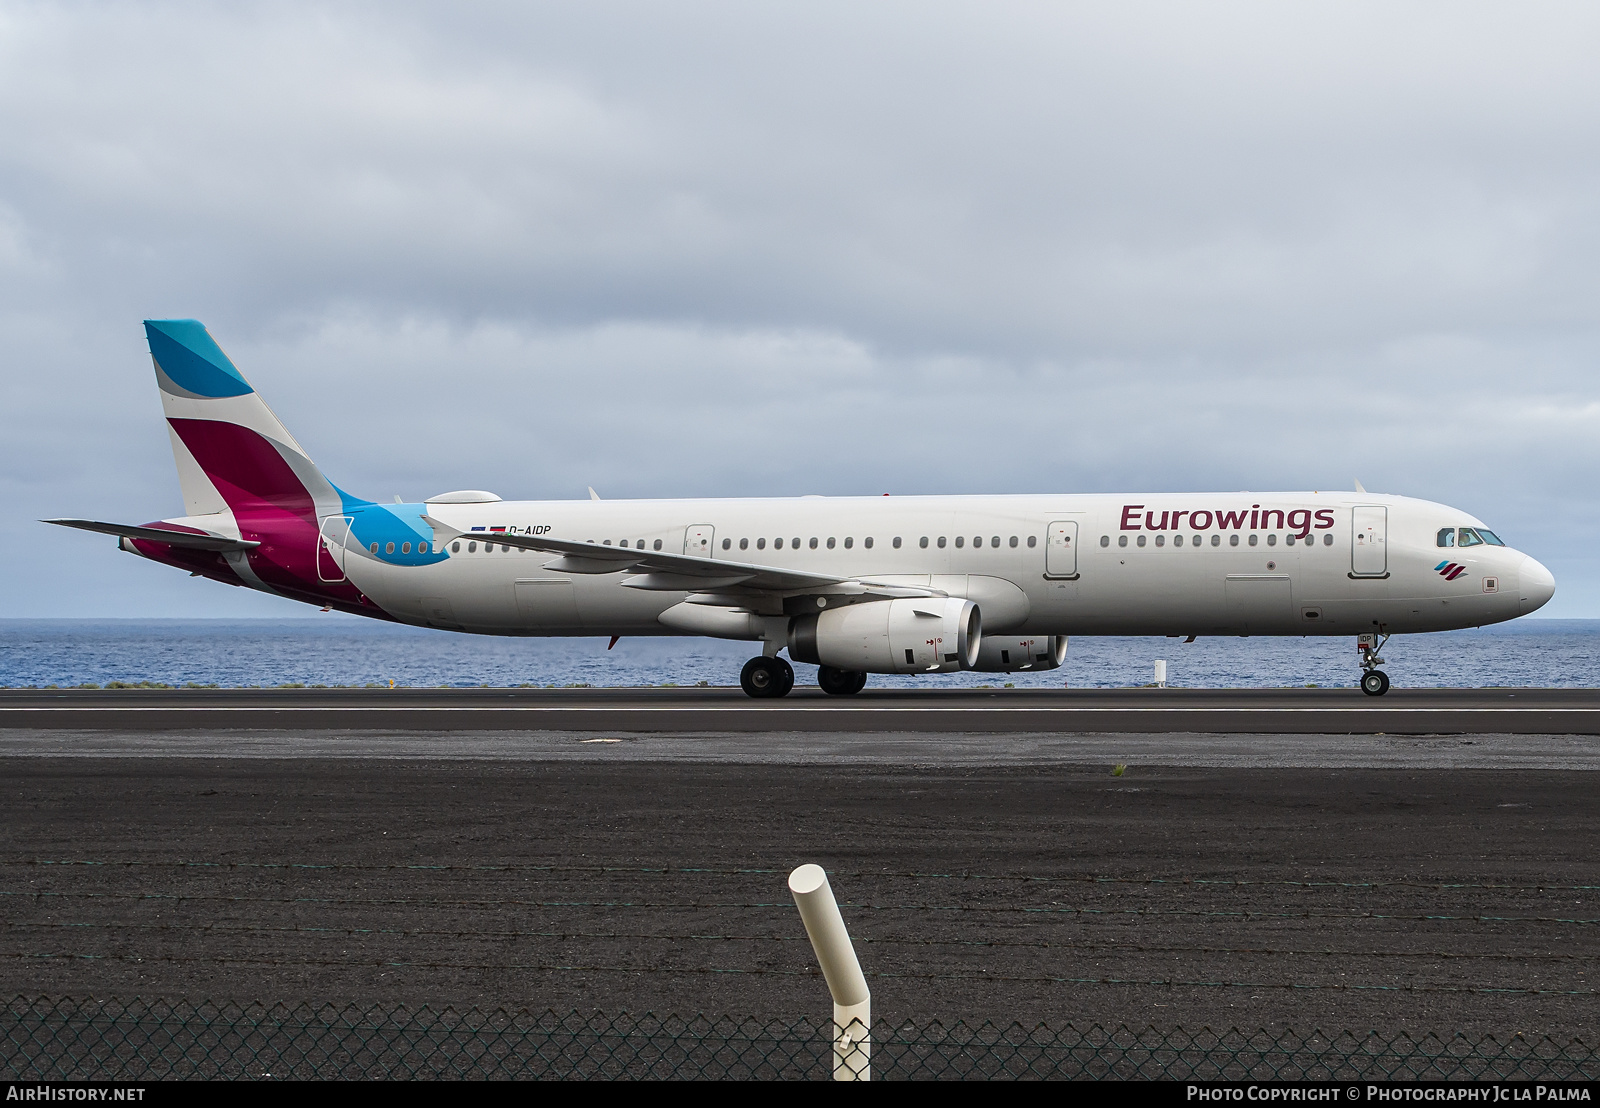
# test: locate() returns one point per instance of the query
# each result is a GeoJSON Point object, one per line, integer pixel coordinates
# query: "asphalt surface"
{"type": "Point", "coordinates": [944, 749]}
{"type": "Point", "coordinates": [1263, 711]}
{"type": "Point", "coordinates": [1421, 863]}
{"type": "Point", "coordinates": [1399, 899]}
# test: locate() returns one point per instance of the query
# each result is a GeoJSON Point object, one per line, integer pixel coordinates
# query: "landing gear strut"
{"type": "Point", "coordinates": [1374, 682]}
{"type": "Point", "coordinates": [763, 677]}
{"type": "Point", "coordinates": [840, 682]}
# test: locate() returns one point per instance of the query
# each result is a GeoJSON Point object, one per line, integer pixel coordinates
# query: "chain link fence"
{"type": "Point", "coordinates": [65, 1039]}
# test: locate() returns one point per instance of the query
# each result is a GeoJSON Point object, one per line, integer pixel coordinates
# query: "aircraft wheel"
{"type": "Point", "coordinates": [1375, 682]}
{"type": "Point", "coordinates": [840, 682]}
{"type": "Point", "coordinates": [764, 677]}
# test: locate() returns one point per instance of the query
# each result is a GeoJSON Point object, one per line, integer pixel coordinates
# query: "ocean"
{"type": "Point", "coordinates": [341, 650]}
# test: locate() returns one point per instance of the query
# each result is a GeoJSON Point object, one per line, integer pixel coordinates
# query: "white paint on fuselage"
{"type": "Point", "coordinates": [1166, 590]}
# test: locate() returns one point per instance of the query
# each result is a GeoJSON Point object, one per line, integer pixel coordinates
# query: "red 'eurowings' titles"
{"type": "Point", "coordinates": [1298, 520]}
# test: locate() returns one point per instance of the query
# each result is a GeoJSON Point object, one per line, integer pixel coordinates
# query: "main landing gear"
{"type": "Point", "coordinates": [1374, 682]}
{"type": "Point", "coordinates": [840, 682]}
{"type": "Point", "coordinates": [763, 677]}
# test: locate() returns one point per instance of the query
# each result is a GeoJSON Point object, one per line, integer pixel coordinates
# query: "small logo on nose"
{"type": "Point", "coordinates": [1449, 570]}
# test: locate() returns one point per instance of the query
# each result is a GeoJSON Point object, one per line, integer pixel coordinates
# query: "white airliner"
{"type": "Point", "coordinates": [855, 585]}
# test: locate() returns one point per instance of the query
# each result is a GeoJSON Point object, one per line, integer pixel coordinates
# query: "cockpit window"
{"type": "Point", "coordinates": [1447, 536]}
{"type": "Point", "coordinates": [1489, 537]}
{"type": "Point", "coordinates": [1469, 537]}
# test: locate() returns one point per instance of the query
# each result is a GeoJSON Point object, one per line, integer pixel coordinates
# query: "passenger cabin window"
{"type": "Point", "coordinates": [1033, 540]}
{"type": "Point", "coordinates": [472, 548]}
{"type": "Point", "coordinates": [388, 548]}
{"type": "Point", "coordinates": [1122, 540]}
{"type": "Point", "coordinates": [1105, 540]}
{"type": "Point", "coordinates": [405, 548]}
{"type": "Point", "coordinates": [960, 541]}
{"type": "Point", "coordinates": [814, 542]}
{"type": "Point", "coordinates": [1141, 540]}
{"type": "Point", "coordinates": [923, 542]}
{"type": "Point", "coordinates": [830, 542]}
{"type": "Point", "coordinates": [848, 542]}
{"type": "Point", "coordinates": [795, 542]}
{"type": "Point", "coordinates": [374, 548]}
{"type": "Point", "coordinates": [1272, 540]}
{"type": "Point", "coordinates": [1447, 536]}
{"type": "Point", "coordinates": [455, 548]}
{"type": "Point", "coordinates": [867, 542]}
{"type": "Point", "coordinates": [761, 544]}
{"type": "Point", "coordinates": [744, 544]}
{"type": "Point", "coordinates": [1013, 542]}
{"type": "Point", "coordinates": [941, 542]}
{"type": "Point", "coordinates": [727, 544]}
{"type": "Point", "coordinates": [1327, 540]}
{"type": "Point", "coordinates": [777, 544]}
{"type": "Point", "coordinates": [1216, 540]}
{"type": "Point", "coordinates": [1253, 539]}
{"type": "Point", "coordinates": [994, 541]}
{"type": "Point", "coordinates": [1233, 540]}
{"type": "Point", "coordinates": [1177, 540]}
{"type": "Point", "coordinates": [656, 545]}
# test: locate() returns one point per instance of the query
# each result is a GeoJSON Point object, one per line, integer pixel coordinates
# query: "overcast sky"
{"type": "Point", "coordinates": [741, 249]}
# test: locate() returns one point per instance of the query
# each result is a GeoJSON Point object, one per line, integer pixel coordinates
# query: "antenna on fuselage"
{"type": "Point", "coordinates": [592, 494]}
{"type": "Point", "coordinates": [1359, 486]}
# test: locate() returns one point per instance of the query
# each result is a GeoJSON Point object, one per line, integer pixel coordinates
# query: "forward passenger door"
{"type": "Point", "coordinates": [1369, 541]}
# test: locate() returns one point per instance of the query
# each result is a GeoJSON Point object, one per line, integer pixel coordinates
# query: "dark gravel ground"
{"type": "Point", "coordinates": [1414, 900]}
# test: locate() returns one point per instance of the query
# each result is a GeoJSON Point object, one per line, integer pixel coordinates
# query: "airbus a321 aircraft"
{"type": "Point", "coordinates": [854, 585]}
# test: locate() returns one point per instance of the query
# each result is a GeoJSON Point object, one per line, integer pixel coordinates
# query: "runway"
{"type": "Point", "coordinates": [666, 710]}
{"type": "Point", "coordinates": [1414, 900]}
{"type": "Point", "coordinates": [949, 750]}
{"type": "Point", "coordinates": [1302, 857]}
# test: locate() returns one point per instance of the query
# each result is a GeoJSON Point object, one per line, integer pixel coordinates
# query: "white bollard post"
{"type": "Point", "coordinates": [852, 1002]}
{"type": "Point", "coordinates": [1161, 673]}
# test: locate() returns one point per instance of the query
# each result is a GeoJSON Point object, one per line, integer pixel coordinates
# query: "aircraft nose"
{"type": "Point", "coordinates": [1538, 586]}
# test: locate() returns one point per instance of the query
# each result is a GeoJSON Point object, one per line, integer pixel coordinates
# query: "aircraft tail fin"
{"type": "Point", "coordinates": [232, 452]}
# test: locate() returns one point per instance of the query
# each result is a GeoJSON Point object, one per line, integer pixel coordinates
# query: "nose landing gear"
{"type": "Point", "coordinates": [766, 677]}
{"type": "Point", "coordinates": [1374, 682]}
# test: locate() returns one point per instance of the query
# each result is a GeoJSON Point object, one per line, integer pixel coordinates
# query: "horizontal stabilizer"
{"type": "Point", "coordinates": [188, 540]}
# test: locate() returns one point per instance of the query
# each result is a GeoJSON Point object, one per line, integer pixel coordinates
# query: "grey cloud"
{"type": "Point", "coordinates": [723, 248]}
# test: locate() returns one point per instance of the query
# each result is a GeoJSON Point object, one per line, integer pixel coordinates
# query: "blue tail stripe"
{"type": "Point", "coordinates": [187, 354]}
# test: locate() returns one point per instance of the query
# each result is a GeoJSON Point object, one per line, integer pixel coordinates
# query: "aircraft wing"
{"type": "Point", "coordinates": [189, 540]}
{"type": "Point", "coordinates": [660, 571]}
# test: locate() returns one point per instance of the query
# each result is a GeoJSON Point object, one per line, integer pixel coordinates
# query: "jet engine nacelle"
{"type": "Point", "coordinates": [933, 635]}
{"type": "Point", "coordinates": [1011, 653]}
